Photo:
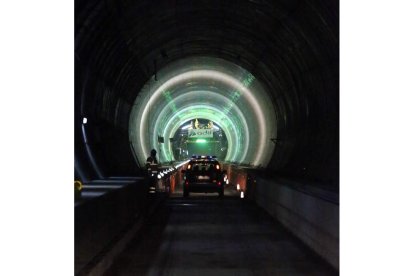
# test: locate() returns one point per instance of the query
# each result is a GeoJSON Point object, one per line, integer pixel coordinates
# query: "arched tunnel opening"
{"type": "Point", "coordinates": [271, 67]}
{"type": "Point", "coordinates": [186, 142]}
{"type": "Point", "coordinates": [253, 82]}
{"type": "Point", "coordinates": [208, 89]}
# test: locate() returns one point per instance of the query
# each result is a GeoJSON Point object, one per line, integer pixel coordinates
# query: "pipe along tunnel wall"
{"type": "Point", "coordinates": [108, 213]}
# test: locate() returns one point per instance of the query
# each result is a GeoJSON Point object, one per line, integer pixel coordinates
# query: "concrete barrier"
{"type": "Point", "coordinates": [312, 218]}
{"type": "Point", "coordinates": [99, 220]}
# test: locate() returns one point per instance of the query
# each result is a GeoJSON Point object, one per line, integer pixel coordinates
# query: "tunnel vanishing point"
{"type": "Point", "coordinates": [263, 75]}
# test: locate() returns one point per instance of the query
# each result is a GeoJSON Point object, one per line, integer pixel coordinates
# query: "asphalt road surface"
{"type": "Point", "coordinates": [206, 235]}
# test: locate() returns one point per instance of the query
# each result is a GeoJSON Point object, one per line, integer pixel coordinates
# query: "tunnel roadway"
{"type": "Point", "coordinates": [205, 235]}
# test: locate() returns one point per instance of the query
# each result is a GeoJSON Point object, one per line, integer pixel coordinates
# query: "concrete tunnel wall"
{"type": "Point", "coordinates": [312, 219]}
{"type": "Point", "coordinates": [291, 47]}
{"type": "Point", "coordinates": [101, 220]}
{"type": "Point", "coordinates": [308, 212]}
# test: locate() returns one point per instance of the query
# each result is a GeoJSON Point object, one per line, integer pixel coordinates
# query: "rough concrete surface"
{"type": "Point", "coordinates": [205, 235]}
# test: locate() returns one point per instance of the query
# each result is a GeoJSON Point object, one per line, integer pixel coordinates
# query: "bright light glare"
{"type": "Point", "coordinates": [242, 194]}
{"type": "Point", "coordinates": [85, 120]}
{"type": "Point", "coordinates": [201, 141]}
{"type": "Point", "coordinates": [237, 103]}
{"type": "Point", "coordinates": [238, 187]}
{"type": "Point", "coordinates": [186, 127]}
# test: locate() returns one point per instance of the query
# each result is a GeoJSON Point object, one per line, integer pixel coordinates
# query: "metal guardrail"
{"type": "Point", "coordinates": [161, 176]}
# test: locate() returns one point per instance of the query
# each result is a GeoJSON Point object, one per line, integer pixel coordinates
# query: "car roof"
{"type": "Point", "coordinates": [203, 158]}
{"type": "Point", "coordinates": [203, 161]}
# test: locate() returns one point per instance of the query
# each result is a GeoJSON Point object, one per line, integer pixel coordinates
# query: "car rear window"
{"type": "Point", "coordinates": [203, 166]}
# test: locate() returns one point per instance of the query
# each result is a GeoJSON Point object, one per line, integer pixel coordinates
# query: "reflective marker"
{"type": "Point", "coordinates": [78, 185]}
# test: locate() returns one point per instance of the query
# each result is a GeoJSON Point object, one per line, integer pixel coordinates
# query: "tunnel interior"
{"type": "Point", "coordinates": [266, 73]}
{"type": "Point", "coordinates": [213, 90]}
{"type": "Point", "coordinates": [184, 145]}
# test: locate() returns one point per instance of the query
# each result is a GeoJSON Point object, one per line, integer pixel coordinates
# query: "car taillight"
{"type": "Point", "coordinates": [219, 183]}
{"type": "Point", "coordinates": [186, 183]}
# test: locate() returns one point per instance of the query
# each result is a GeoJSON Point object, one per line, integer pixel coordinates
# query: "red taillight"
{"type": "Point", "coordinates": [186, 183]}
{"type": "Point", "coordinates": [219, 183]}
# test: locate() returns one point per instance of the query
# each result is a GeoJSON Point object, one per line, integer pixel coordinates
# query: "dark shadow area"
{"type": "Point", "coordinates": [207, 236]}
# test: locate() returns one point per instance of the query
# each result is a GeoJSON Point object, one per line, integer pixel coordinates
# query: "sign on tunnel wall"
{"type": "Point", "coordinates": [200, 133]}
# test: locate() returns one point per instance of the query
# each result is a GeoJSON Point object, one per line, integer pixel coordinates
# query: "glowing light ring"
{"type": "Point", "coordinates": [215, 115]}
{"type": "Point", "coordinates": [210, 75]}
{"type": "Point", "coordinates": [165, 102]}
{"type": "Point", "coordinates": [212, 116]}
{"type": "Point", "coordinates": [206, 115]}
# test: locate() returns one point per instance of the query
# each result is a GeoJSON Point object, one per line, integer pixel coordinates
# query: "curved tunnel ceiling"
{"type": "Point", "coordinates": [291, 48]}
{"type": "Point", "coordinates": [207, 88]}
